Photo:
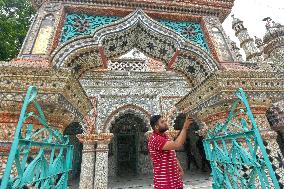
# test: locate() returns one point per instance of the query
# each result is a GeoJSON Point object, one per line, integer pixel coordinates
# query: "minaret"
{"type": "Point", "coordinates": [246, 42]}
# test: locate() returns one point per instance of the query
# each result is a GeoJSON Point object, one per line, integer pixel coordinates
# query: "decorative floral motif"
{"type": "Point", "coordinates": [190, 30]}
{"type": "Point", "coordinates": [152, 44]}
{"type": "Point", "coordinates": [82, 24]}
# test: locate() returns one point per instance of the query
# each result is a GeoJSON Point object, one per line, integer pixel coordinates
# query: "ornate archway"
{"type": "Point", "coordinates": [139, 31]}
{"type": "Point", "coordinates": [127, 108]}
{"type": "Point", "coordinates": [128, 154]}
{"type": "Point", "coordinates": [91, 53]}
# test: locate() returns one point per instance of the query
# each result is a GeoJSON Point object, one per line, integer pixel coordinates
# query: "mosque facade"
{"type": "Point", "coordinates": [103, 67]}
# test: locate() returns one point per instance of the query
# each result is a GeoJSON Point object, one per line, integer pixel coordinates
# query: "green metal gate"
{"type": "Point", "coordinates": [236, 152]}
{"type": "Point", "coordinates": [42, 156]}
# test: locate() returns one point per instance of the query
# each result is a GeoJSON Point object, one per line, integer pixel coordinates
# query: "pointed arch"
{"type": "Point", "coordinates": [128, 108]}
{"type": "Point", "coordinates": [136, 30]}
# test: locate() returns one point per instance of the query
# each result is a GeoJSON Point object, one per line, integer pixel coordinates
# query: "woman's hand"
{"type": "Point", "coordinates": [187, 122]}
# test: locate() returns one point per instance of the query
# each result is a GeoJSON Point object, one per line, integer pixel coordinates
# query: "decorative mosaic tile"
{"type": "Point", "coordinates": [83, 24]}
{"type": "Point", "coordinates": [191, 31]}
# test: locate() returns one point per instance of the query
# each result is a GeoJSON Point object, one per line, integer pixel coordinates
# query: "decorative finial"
{"type": "Point", "coordinates": [271, 24]}
{"type": "Point", "coordinates": [234, 45]}
{"type": "Point", "coordinates": [236, 21]}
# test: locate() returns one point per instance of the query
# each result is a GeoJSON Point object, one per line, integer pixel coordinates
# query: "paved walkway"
{"type": "Point", "coordinates": [191, 180]}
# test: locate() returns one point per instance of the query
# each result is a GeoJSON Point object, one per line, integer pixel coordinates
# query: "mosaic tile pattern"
{"type": "Point", "coordinates": [221, 42]}
{"type": "Point", "coordinates": [182, 7]}
{"type": "Point", "coordinates": [144, 165]}
{"type": "Point", "coordinates": [192, 31]}
{"type": "Point", "coordinates": [82, 24]}
{"type": "Point", "coordinates": [150, 43]}
{"type": "Point", "coordinates": [87, 167]}
{"type": "Point", "coordinates": [158, 43]}
{"type": "Point", "coordinates": [101, 166]}
{"type": "Point", "coordinates": [213, 81]}
{"type": "Point", "coordinates": [150, 96]}
{"type": "Point", "coordinates": [277, 160]}
{"type": "Point", "coordinates": [3, 161]}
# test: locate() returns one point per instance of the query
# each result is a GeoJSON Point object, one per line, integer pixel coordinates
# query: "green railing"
{"type": "Point", "coordinates": [42, 156]}
{"type": "Point", "coordinates": [236, 152]}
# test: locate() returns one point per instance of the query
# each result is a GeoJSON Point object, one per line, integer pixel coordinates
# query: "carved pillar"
{"type": "Point", "coordinates": [88, 162]}
{"type": "Point", "coordinates": [101, 166]}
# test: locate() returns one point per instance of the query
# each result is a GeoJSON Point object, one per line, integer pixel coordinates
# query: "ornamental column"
{"type": "Point", "coordinates": [101, 166]}
{"type": "Point", "coordinates": [88, 161]}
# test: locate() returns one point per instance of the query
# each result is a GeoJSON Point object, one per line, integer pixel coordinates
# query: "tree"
{"type": "Point", "coordinates": [15, 19]}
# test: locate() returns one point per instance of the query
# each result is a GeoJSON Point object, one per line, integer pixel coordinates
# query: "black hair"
{"type": "Point", "coordinates": [153, 120]}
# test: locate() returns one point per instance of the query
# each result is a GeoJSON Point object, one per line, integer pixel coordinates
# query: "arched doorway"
{"type": "Point", "coordinates": [128, 144]}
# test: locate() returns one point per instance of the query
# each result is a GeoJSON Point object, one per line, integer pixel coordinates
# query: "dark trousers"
{"type": "Point", "coordinates": [204, 162]}
{"type": "Point", "coordinates": [191, 159]}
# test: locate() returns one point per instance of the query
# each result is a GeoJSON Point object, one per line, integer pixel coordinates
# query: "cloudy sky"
{"type": "Point", "coordinates": [252, 12]}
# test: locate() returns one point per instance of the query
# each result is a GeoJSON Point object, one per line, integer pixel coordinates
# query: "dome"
{"type": "Point", "coordinates": [273, 33]}
{"type": "Point", "coordinates": [273, 30]}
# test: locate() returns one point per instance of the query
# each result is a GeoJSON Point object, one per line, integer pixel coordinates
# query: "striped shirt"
{"type": "Point", "coordinates": [165, 165]}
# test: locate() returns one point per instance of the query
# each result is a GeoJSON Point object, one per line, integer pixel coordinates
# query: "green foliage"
{"type": "Point", "coordinates": [15, 19]}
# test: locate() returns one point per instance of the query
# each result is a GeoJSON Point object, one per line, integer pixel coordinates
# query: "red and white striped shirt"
{"type": "Point", "coordinates": [165, 165]}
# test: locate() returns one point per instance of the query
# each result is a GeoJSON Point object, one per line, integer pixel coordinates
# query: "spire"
{"type": "Point", "coordinates": [246, 42]}
{"type": "Point", "coordinates": [237, 24]}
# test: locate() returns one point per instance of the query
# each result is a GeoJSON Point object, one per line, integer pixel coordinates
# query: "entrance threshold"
{"type": "Point", "coordinates": [193, 180]}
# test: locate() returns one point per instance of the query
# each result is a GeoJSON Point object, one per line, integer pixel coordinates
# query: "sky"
{"type": "Point", "coordinates": [252, 12]}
